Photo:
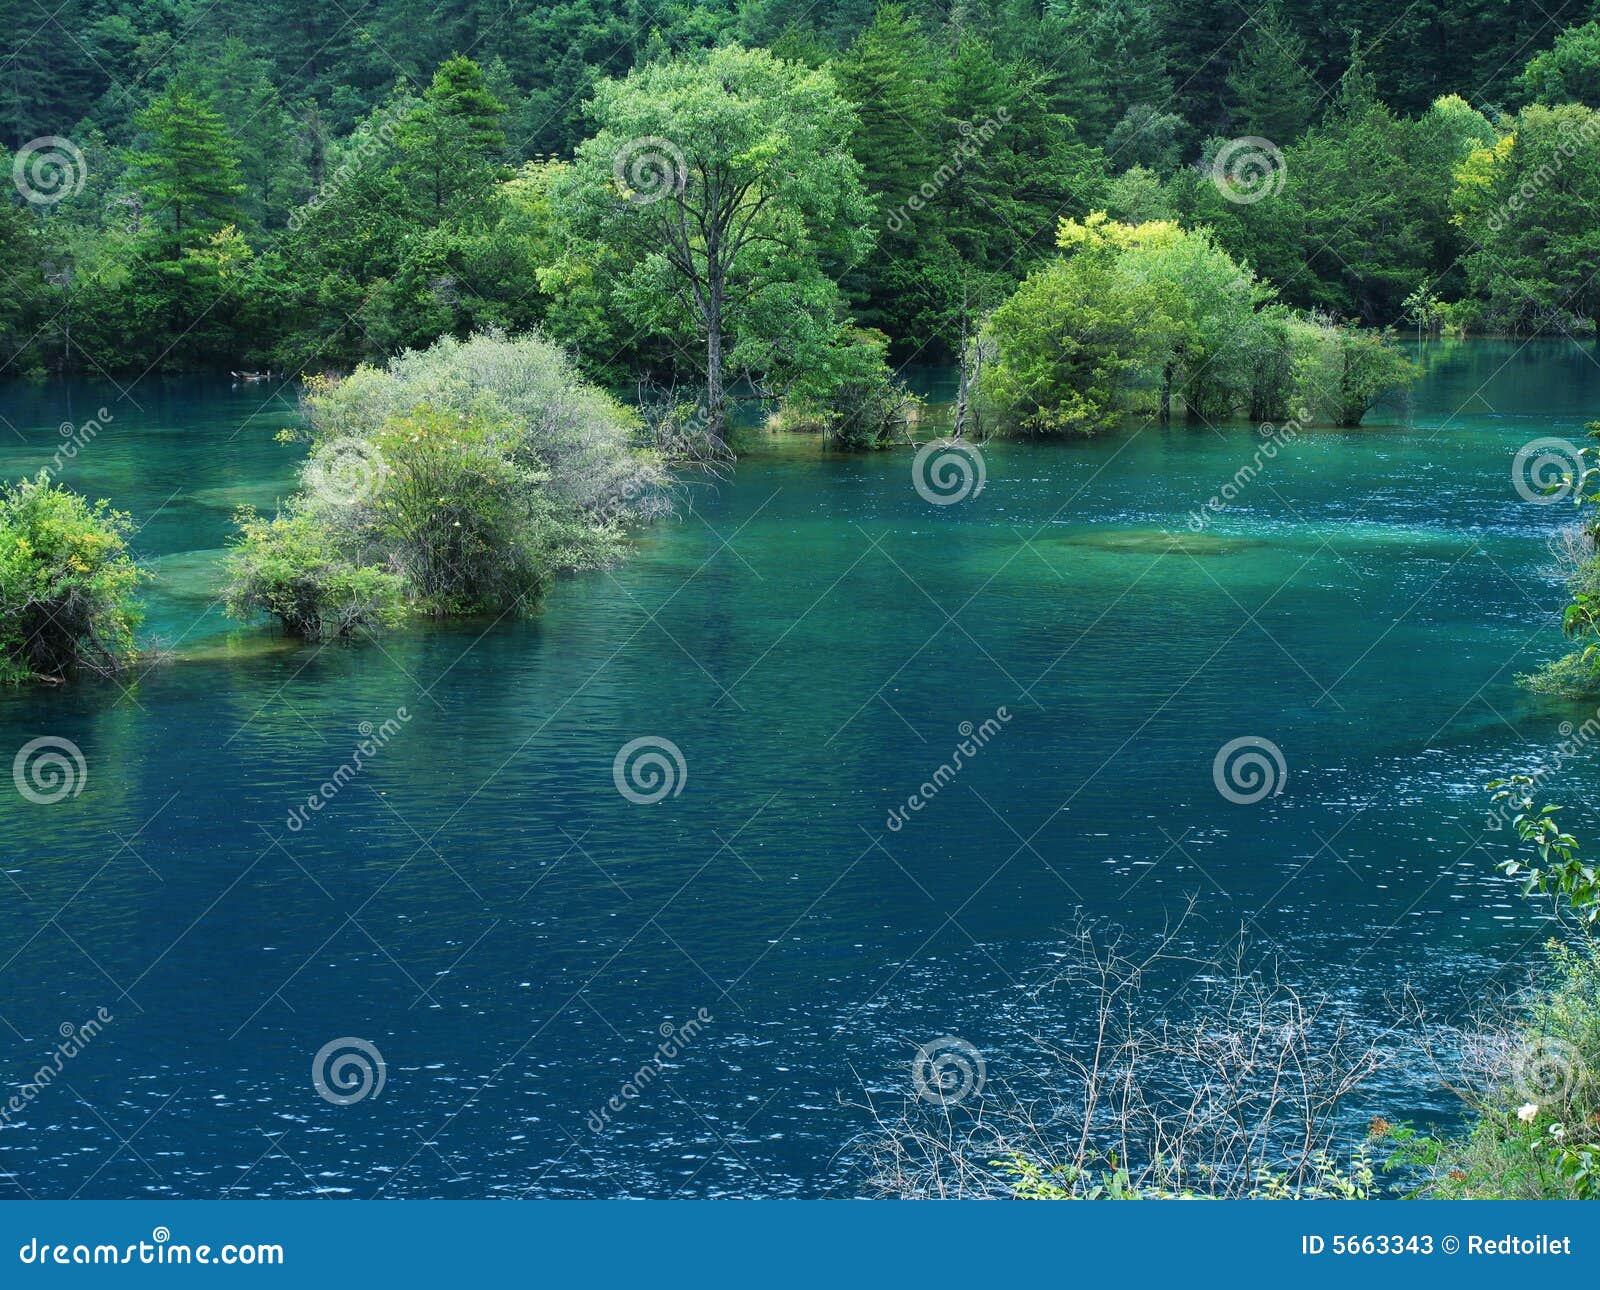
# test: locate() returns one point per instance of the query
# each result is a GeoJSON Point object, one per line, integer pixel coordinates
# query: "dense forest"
{"type": "Point", "coordinates": [286, 187]}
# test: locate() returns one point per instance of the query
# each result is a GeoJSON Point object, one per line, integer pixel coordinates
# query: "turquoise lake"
{"type": "Point", "coordinates": [482, 904]}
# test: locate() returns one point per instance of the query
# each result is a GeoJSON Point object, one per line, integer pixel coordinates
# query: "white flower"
{"type": "Point", "coordinates": [1527, 1111]}
{"type": "Point", "coordinates": [1558, 1131]}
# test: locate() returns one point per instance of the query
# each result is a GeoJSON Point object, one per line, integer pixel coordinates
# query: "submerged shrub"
{"type": "Point", "coordinates": [854, 400]}
{"type": "Point", "coordinates": [66, 584]}
{"type": "Point", "coordinates": [545, 416]}
{"type": "Point", "coordinates": [458, 480]}
{"type": "Point", "coordinates": [469, 527]}
{"type": "Point", "coordinates": [1151, 317]}
{"type": "Point", "coordinates": [293, 568]}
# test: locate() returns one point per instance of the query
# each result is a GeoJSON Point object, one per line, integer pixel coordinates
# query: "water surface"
{"type": "Point", "coordinates": [515, 937]}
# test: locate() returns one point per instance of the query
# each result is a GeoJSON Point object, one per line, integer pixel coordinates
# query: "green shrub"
{"type": "Point", "coordinates": [469, 527]}
{"type": "Point", "coordinates": [854, 400]}
{"type": "Point", "coordinates": [460, 479]}
{"type": "Point", "coordinates": [294, 568]}
{"type": "Point", "coordinates": [66, 585]}
{"type": "Point", "coordinates": [546, 417]}
{"type": "Point", "coordinates": [1537, 1133]}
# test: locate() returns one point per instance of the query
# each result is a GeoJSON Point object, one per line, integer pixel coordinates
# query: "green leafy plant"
{"type": "Point", "coordinates": [67, 584]}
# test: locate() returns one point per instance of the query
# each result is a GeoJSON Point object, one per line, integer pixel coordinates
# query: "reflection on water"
{"type": "Point", "coordinates": [478, 901]}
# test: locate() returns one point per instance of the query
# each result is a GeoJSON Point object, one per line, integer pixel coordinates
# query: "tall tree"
{"type": "Point", "coordinates": [453, 138]}
{"type": "Point", "coordinates": [720, 192]}
{"type": "Point", "coordinates": [187, 169]}
{"type": "Point", "coordinates": [1270, 93]}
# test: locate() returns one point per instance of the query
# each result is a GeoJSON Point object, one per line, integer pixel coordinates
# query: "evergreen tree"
{"type": "Point", "coordinates": [188, 169]}
{"type": "Point", "coordinates": [453, 138]}
{"type": "Point", "coordinates": [1270, 93]}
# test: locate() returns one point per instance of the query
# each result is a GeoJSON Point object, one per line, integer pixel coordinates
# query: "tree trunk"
{"type": "Point", "coordinates": [1166, 394]}
{"type": "Point", "coordinates": [716, 413]}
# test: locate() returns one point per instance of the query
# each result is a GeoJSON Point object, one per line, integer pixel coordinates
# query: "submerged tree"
{"type": "Point", "coordinates": [719, 200]}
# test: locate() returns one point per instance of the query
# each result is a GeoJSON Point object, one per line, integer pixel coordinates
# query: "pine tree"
{"type": "Point", "coordinates": [887, 74]}
{"type": "Point", "coordinates": [1270, 93]}
{"type": "Point", "coordinates": [188, 171]}
{"type": "Point", "coordinates": [453, 138]}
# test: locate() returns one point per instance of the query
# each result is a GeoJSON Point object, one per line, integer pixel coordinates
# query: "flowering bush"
{"type": "Point", "coordinates": [66, 585]}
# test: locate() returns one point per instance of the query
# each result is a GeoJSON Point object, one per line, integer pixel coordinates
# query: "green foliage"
{"type": "Point", "coordinates": [458, 480]}
{"type": "Point", "coordinates": [187, 169]}
{"type": "Point", "coordinates": [1560, 874]}
{"type": "Point", "coordinates": [1577, 675]}
{"type": "Point", "coordinates": [363, 169]}
{"type": "Point", "coordinates": [294, 568]}
{"type": "Point", "coordinates": [66, 585]}
{"type": "Point", "coordinates": [852, 398]}
{"type": "Point", "coordinates": [715, 205]}
{"type": "Point", "coordinates": [1567, 72]}
{"type": "Point", "coordinates": [1526, 204]}
{"type": "Point", "coordinates": [1270, 93]}
{"type": "Point", "coordinates": [1143, 317]}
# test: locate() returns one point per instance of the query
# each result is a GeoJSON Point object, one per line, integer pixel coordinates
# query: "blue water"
{"type": "Point", "coordinates": [515, 937]}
